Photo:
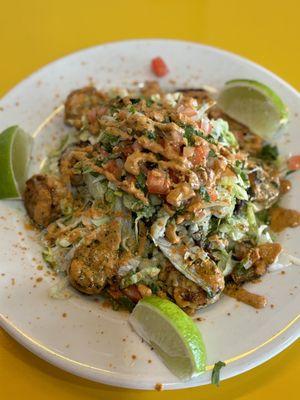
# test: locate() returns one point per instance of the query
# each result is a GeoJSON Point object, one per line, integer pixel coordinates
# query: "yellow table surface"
{"type": "Point", "coordinates": [35, 32]}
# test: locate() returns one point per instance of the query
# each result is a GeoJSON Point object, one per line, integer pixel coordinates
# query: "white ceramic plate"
{"type": "Point", "coordinates": [79, 334]}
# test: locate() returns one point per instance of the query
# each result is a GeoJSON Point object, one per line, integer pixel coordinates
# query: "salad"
{"type": "Point", "coordinates": [160, 193]}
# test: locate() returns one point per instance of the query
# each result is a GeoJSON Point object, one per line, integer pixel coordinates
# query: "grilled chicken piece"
{"type": "Point", "coordinates": [187, 294]}
{"type": "Point", "coordinates": [265, 186]}
{"type": "Point", "coordinates": [44, 198]}
{"type": "Point", "coordinates": [96, 262]}
{"type": "Point", "coordinates": [262, 256]}
{"type": "Point", "coordinates": [83, 106]}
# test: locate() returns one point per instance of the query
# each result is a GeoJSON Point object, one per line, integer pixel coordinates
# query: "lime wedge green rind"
{"type": "Point", "coordinates": [15, 147]}
{"type": "Point", "coordinates": [172, 334]}
{"type": "Point", "coordinates": [254, 105]}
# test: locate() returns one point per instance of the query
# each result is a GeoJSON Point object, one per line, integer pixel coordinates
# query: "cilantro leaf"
{"type": "Point", "coordinates": [151, 135]}
{"type": "Point", "coordinates": [141, 181]}
{"type": "Point", "coordinates": [215, 376]}
{"type": "Point", "coordinates": [135, 100]}
{"type": "Point", "coordinates": [189, 133]}
{"type": "Point", "coordinates": [212, 153]}
{"type": "Point", "coordinates": [149, 102]}
{"type": "Point", "coordinates": [132, 110]}
{"type": "Point", "coordinates": [109, 141]}
{"type": "Point", "coordinates": [269, 152]}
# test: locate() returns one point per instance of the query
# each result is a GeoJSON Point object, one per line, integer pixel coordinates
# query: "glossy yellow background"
{"type": "Point", "coordinates": [35, 32]}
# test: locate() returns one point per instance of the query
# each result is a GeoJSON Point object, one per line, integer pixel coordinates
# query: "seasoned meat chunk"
{"type": "Point", "coordinates": [95, 262]}
{"type": "Point", "coordinates": [44, 198]}
{"type": "Point", "coordinates": [186, 293]}
{"type": "Point", "coordinates": [262, 256]}
{"type": "Point", "coordinates": [265, 186]}
{"type": "Point", "coordinates": [83, 106]}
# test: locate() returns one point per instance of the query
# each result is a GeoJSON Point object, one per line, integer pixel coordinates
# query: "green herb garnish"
{"type": "Point", "coordinates": [189, 133]}
{"type": "Point", "coordinates": [132, 110]}
{"type": "Point", "coordinates": [149, 102]}
{"type": "Point", "coordinates": [151, 135]}
{"type": "Point", "coordinates": [263, 216]}
{"type": "Point", "coordinates": [125, 302]}
{"type": "Point", "coordinates": [135, 101]}
{"type": "Point", "coordinates": [215, 376]}
{"type": "Point", "coordinates": [109, 141]}
{"type": "Point", "coordinates": [269, 152]}
{"type": "Point", "coordinates": [141, 181]}
{"type": "Point", "coordinates": [212, 153]}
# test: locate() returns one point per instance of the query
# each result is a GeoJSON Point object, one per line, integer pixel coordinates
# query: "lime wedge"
{"type": "Point", "coordinates": [172, 334]}
{"type": "Point", "coordinates": [254, 105]}
{"type": "Point", "coordinates": [15, 146]}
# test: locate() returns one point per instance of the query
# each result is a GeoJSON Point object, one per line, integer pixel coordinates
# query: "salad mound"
{"type": "Point", "coordinates": [156, 193]}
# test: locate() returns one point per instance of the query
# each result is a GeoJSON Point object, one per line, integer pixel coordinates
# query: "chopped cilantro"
{"type": "Point", "coordinates": [141, 181]}
{"type": "Point", "coordinates": [212, 153]}
{"type": "Point", "coordinates": [214, 224]}
{"type": "Point", "coordinates": [189, 133]}
{"type": "Point", "coordinates": [289, 172]}
{"type": "Point", "coordinates": [154, 287]}
{"type": "Point", "coordinates": [269, 152]}
{"type": "Point", "coordinates": [149, 102]}
{"type": "Point", "coordinates": [204, 194]}
{"type": "Point", "coordinates": [135, 101]}
{"type": "Point", "coordinates": [126, 303]}
{"type": "Point", "coordinates": [264, 216]}
{"type": "Point", "coordinates": [215, 376]}
{"type": "Point", "coordinates": [180, 209]}
{"type": "Point", "coordinates": [132, 109]}
{"type": "Point", "coordinates": [109, 141]}
{"type": "Point", "coordinates": [151, 135]}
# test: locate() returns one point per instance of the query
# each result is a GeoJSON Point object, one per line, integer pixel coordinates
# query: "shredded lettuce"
{"type": "Point", "coordinates": [220, 133]}
{"type": "Point", "coordinates": [236, 227]}
{"type": "Point", "coordinates": [48, 256]}
{"type": "Point", "coordinates": [100, 220]}
{"type": "Point", "coordinates": [147, 274]}
{"type": "Point", "coordinates": [159, 226]}
{"type": "Point", "coordinates": [97, 186]}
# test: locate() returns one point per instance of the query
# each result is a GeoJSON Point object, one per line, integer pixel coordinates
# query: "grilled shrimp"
{"type": "Point", "coordinates": [94, 263]}
{"type": "Point", "coordinates": [43, 197]}
{"type": "Point", "coordinates": [187, 294]}
{"type": "Point", "coordinates": [83, 106]}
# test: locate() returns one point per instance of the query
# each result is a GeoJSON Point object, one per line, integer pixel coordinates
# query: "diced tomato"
{"type": "Point", "coordinates": [159, 67]}
{"type": "Point", "coordinates": [200, 154]}
{"type": "Point", "coordinates": [112, 167]}
{"type": "Point", "coordinates": [212, 194]}
{"type": "Point", "coordinates": [158, 182]}
{"type": "Point", "coordinates": [294, 163]}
